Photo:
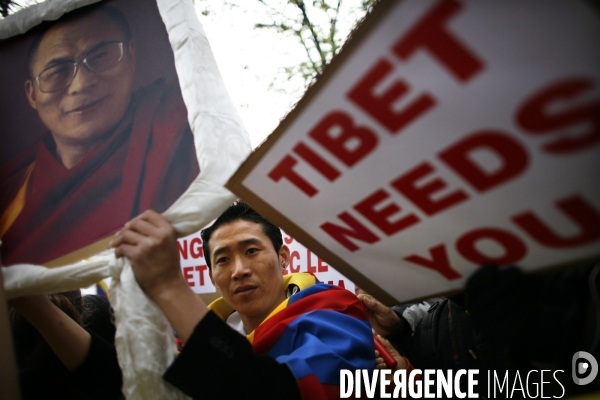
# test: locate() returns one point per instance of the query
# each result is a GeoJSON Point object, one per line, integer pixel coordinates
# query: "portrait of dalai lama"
{"type": "Point", "coordinates": [108, 151]}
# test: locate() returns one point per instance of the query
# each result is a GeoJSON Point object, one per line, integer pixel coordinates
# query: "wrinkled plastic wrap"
{"type": "Point", "coordinates": [47, 11]}
{"type": "Point", "coordinates": [144, 339]}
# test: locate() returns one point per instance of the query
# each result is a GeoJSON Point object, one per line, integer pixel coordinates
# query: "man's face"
{"type": "Point", "coordinates": [247, 269]}
{"type": "Point", "coordinates": [93, 102]}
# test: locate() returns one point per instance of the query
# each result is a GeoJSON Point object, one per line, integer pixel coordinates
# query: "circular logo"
{"type": "Point", "coordinates": [584, 367]}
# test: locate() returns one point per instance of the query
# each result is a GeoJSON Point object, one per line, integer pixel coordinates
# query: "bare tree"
{"type": "Point", "coordinates": [316, 25]}
{"type": "Point", "coordinates": [319, 27]}
{"type": "Point", "coordinates": [8, 7]}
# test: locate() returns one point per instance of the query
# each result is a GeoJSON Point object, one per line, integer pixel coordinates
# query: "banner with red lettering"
{"type": "Point", "coordinates": [193, 266]}
{"type": "Point", "coordinates": [447, 134]}
{"type": "Point", "coordinates": [304, 260]}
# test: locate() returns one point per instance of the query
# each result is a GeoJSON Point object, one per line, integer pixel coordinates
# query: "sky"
{"type": "Point", "coordinates": [249, 59]}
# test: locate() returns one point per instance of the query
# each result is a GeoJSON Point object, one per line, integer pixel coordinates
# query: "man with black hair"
{"type": "Point", "coordinates": [108, 151]}
{"type": "Point", "coordinates": [300, 332]}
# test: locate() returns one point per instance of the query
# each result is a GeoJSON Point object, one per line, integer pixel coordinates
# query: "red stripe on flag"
{"type": "Point", "coordinates": [334, 298]}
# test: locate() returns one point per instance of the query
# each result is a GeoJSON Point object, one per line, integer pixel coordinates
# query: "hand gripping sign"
{"type": "Point", "coordinates": [447, 134]}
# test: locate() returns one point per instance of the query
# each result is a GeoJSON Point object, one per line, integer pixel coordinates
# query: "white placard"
{"type": "Point", "coordinates": [193, 267]}
{"type": "Point", "coordinates": [449, 134]}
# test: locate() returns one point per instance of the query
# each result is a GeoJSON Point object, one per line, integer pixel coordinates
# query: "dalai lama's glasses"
{"type": "Point", "coordinates": [100, 59]}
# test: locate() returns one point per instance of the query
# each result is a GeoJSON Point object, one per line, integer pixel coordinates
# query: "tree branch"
{"type": "Point", "coordinates": [306, 22]}
{"type": "Point", "coordinates": [332, 29]}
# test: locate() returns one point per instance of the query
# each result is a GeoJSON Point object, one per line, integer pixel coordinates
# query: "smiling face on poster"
{"type": "Point", "coordinates": [446, 135]}
{"type": "Point", "coordinates": [104, 55]}
{"type": "Point", "coordinates": [97, 133]}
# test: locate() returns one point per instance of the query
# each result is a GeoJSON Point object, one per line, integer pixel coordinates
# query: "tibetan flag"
{"type": "Point", "coordinates": [102, 289]}
{"type": "Point", "coordinates": [317, 331]}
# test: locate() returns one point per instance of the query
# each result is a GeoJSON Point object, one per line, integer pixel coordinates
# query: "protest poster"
{"type": "Point", "coordinates": [193, 266]}
{"type": "Point", "coordinates": [447, 134]}
{"type": "Point", "coordinates": [146, 345]}
{"type": "Point", "coordinates": [303, 259]}
{"type": "Point", "coordinates": [94, 132]}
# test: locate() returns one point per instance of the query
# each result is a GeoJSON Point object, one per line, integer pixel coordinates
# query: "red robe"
{"type": "Point", "coordinates": [147, 162]}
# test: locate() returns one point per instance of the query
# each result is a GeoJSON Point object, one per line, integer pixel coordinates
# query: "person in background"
{"type": "Point", "coordinates": [504, 321]}
{"type": "Point", "coordinates": [64, 346]}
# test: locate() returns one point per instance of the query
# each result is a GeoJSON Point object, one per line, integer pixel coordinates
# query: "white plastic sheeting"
{"type": "Point", "coordinates": [144, 339]}
{"type": "Point", "coordinates": [50, 10]}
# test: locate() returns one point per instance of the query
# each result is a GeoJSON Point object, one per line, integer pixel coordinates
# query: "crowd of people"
{"type": "Point", "coordinates": [272, 333]}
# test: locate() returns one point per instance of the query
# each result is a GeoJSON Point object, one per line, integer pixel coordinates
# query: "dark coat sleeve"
{"type": "Point", "coordinates": [218, 363]}
{"type": "Point", "coordinates": [99, 377]}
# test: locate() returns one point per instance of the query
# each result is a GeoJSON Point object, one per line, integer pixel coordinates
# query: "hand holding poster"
{"type": "Point", "coordinates": [448, 134]}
